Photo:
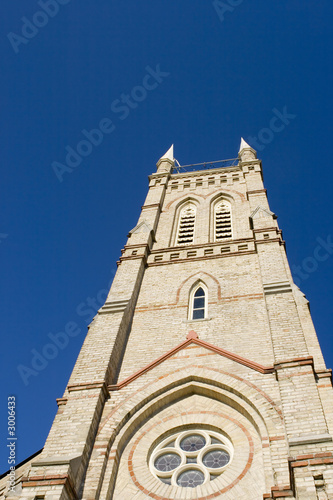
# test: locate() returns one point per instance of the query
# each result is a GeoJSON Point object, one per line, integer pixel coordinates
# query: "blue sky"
{"type": "Point", "coordinates": [214, 76]}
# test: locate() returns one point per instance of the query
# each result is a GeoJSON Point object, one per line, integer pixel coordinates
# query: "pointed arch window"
{"type": "Point", "coordinates": [198, 303]}
{"type": "Point", "coordinates": [222, 221]}
{"type": "Point", "coordinates": [185, 233]}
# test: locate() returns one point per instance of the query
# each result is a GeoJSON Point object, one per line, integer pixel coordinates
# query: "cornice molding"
{"type": "Point", "coordinates": [196, 246]}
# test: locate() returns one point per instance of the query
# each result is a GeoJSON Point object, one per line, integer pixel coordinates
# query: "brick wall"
{"type": "Point", "coordinates": [253, 369]}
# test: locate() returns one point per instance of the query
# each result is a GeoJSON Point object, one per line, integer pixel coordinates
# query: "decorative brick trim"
{"type": "Point", "coordinates": [310, 456]}
{"type": "Point", "coordinates": [277, 438]}
{"type": "Point", "coordinates": [159, 175]}
{"type": "Point", "coordinates": [206, 497]}
{"type": "Point", "coordinates": [265, 229]}
{"type": "Point", "coordinates": [161, 308]}
{"type": "Point", "coordinates": [184, 197]}
{"type": "Point", "coordinates": [196, 259]}
{"type": "Point", "coordinates": [149, 384]}
{"type": "Point", "coordinates": [305, 439]}
{"type": "Point", "coordinates": [85, 387]}
{"type": "Point", "coordinates": [257, 191]}
{"type": "Point", "coordinates": [191, 339]}
{"type": "Point", "coordinates": [55, 480]}
{"type": "Point", "coordinates": [308, 360]}
{"type": "Point", "coordinates": [216, 370]}
{"type": "Point", "coordinates": [197, 274]}
{"type": "Point", "coordinates": [203, 245]}
{"type": "Point", "coordinates": [152, 205]}
{"type": "Point", "coordinates": [116, 306]}
{"type": "Point", "coordinates": [219, 296]}
{"type": "Point", "coordinates": [224, 190]}
{"type": "Point", "coordinates": [310, 459]}
{"type": "Point", "coordinates": [239, 297]}
{"type": "Point", "coordinates": [194, 356]}
{"type": "Point", "coordinates": [278, 492]}
{"type": "Point", "coordinates": [61, 401]}
{"type": "Point", "coordinates": [277, 287]}
{"type": "Point", "coordinates": [221, 300]}
{"type": "Point", "coordinates": [134, 257]}
{"type": "Point", "coordinates": [325, 374]}
{"type": "Point", "coordinates": [141, 245]}
{"type": "Point", "coordinates": [270, 240]}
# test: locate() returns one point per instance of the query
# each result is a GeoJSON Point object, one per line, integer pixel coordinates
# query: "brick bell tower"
{"type": "Point", "coordinates": [201, 377]}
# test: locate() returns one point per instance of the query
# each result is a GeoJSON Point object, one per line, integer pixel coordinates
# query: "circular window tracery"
{"type": "Point", "coordinates": [191, 458]}
{"type": "Point", "coordinates": [167, 462]}
{"type": "Point", "coordinates": [216, 459]}
{"type": "Point", "coordinates": [193, 442]}
{"type": "Point", "coordinates": [190, 478]}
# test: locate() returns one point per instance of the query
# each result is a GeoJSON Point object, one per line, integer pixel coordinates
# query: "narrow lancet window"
{"type": "Point", "coordinates": [186, 225]}
{"type": "Point", "coordinates": [223, 229]}
{"type": "Point", "coordinates": [199, 304]}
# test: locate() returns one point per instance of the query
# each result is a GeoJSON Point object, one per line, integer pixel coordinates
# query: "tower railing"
{"type": "Point", "coordinates": [177, 169]}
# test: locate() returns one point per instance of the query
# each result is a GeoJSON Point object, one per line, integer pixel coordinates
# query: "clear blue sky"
{"type": "Point", "coordinates": [222, 77]}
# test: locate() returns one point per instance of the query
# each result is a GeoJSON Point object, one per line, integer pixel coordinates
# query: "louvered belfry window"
{"type": "Point", "coordinates": [223, 228]}
{"type": "Point", "coordinates": [186, 225]}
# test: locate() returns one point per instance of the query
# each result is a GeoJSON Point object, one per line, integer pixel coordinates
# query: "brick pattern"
{"type": "Point", "coordinates": [258, 362]}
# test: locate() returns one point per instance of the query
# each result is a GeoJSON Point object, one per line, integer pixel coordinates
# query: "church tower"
{"type": "Point", "coordinates": [201, 377]}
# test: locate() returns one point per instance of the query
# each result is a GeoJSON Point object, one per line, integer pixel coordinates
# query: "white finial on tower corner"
{"type": "Point", "coordinates": [246, 152]}
{"type": "Point", "coordinates": [243, 145]}
{"type": "Point", "coordinates": [169, 154]}
{"type": "Point", "coordinates": [166, 162]}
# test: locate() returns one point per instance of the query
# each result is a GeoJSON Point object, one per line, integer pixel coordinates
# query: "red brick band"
{"type": "Point", "coordinates": [311, 459]}
{"type": "Point", "coordinates": [55, 480]}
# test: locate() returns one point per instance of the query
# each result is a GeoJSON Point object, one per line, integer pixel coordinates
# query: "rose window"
{"type": "Point", "coordinates": [191, 458]}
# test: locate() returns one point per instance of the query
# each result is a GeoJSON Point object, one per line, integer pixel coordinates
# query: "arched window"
{"type": "Point", "coordinates": [185, 233]}
{"type": "Point", "coordinates": [222, 221]}
{"type": "Point", "coordinates": [198, 303]}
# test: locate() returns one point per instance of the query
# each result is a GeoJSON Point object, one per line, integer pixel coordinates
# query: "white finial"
{"type": "Point", "coordinates": [169, 154]}
{"type": "Point", "coordinates": [246, 153]}
{"type": "Point", "coordinates": [167, 162]}
{"type": "Point", "coordinates": [244, 145]}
